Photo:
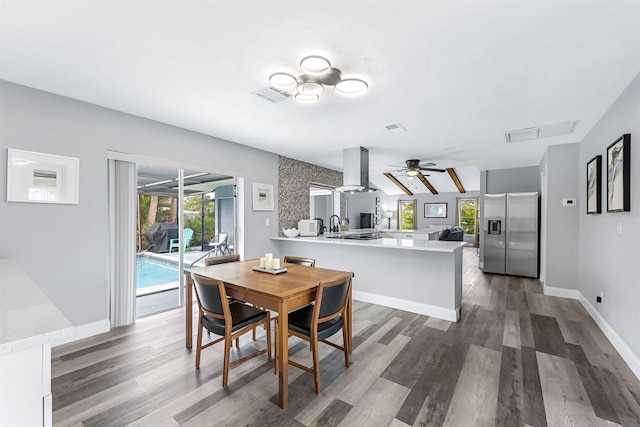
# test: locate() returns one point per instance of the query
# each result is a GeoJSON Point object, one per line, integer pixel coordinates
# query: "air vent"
{"type": "Point", "coordinates": [272, 94]}
{"type": "Point", "coordinates": [396, 128]}
{"type": "Point", "coordinates": [546, 131]}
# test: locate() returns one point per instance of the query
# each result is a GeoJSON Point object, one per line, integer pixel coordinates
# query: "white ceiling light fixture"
{"type": "Point", "coordinates": [315, 64]}
{"type": "Point", "coordinates": [318, 73]}
{"type": "Point", "coordinates": [306, 98]}
{"type": "Point", "coordinates": [282, 80]}
{"type": "Point", "coordinates": [351, 87]}
{"type": "Point", "coordinates": [412, 172]}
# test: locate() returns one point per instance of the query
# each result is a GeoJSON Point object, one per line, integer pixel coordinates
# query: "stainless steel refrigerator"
{"type": "Point", "coordinates": [511, 227]}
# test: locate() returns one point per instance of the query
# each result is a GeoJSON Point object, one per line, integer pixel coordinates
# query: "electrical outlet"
{"type": "Point", "coordinates": [619, 229]}
{"type": "Point", "coordinates": [267, 222]}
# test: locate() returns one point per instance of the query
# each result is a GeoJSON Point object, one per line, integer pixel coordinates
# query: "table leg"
{"type": "Point", "coordinates": [188, 310]}
{"type": "Point", "coordinates": [349, 322]}
{"type": "Point", "coordinates": [282, 342]}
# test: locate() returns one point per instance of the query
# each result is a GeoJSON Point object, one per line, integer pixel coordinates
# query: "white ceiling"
{"type": "Point", "coordinates": [457, 74]}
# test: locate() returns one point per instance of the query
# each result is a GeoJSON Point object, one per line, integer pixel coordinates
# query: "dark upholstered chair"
{"type": "Point", "coordinates": [309, 262]}
{"type": "Point", "coordinates": [455, 234]}
{"type": "Point", "coordinates": [319, 321]}
{"type": "Point", "coordinates": [230, 320]}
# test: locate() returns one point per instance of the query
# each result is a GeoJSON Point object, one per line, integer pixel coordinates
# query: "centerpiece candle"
{"type": "Point", "coordinates": [275, 263]}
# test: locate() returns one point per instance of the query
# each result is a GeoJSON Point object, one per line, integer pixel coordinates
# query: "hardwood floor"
{"type": "Point", "coordinates": [516, 358]}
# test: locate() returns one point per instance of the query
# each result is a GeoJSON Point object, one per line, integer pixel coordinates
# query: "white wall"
{"type": "Point", "coordinates": [63, 248]}
{"type": "Point", "coordinates": [608, 262]}
{"type": "Point", "coordinates": [559, 238]}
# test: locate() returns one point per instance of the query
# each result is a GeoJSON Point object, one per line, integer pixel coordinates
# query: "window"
{"type": "Point", "coordinates": [467, 216]}
{"type": "Point", "coordinates": [407, 214]}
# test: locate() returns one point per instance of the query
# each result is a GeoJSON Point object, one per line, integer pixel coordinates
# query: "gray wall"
{"type": "Point", "coordinates": [63, 248]}
{"type": "Point", "coordinates": [608, 262]}
{"type": "Point", "coordinates": [513, 180]}
{"type": "Point", "coordinates": [560, 234]}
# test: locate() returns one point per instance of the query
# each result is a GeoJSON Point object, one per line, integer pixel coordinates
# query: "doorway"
{"type": "Point", "coordinates": [175, 224]}
{"type": "Point", "coordinates": [468, 219]}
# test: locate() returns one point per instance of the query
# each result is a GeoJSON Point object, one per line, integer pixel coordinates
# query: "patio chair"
{"type": "Point", "coordinates": [187, 235]}
{"type": "Point", "coordinates": [219, 243]}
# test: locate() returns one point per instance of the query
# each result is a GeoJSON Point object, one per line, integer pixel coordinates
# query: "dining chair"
{"type": "Point", "coordinates": [321, 320]}
{"type": "Point", "coordinates": [221, 259]}
{"type": "Point", "coordinates": [309, 262]}
{"type": "Point", "coordinates": [229, 320]}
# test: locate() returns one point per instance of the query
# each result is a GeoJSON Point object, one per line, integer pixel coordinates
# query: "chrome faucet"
{"type": "Point", "coordinates": [334, 228]}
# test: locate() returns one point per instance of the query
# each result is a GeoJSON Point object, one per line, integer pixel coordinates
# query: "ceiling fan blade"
{"type": "Point", "coordinates": [396, 166]}
{"type": "Point", "coordinates": [433, 169]}
{"type": "Point", "coordinates": [396, 170]}
{"type": "Point", "coordinates": [426, 165]}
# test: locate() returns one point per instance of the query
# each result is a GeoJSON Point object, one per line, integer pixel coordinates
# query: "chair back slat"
{"type": "Point", "coordinates": [222, 259]}
{"type": "Point", "coordinates": [211, 294]}
{"type": "Point", "coordinates": [309, 262]}
{"type": "Point", "coordinates": [333, 297]}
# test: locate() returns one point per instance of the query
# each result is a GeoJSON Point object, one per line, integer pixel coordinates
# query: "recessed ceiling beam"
{"type": "Point", "coordinates": [398, 183]}
{"type": "Point", "coordinates": [456, 180]}
{"type": "Point", "coordinates": [426, 183]}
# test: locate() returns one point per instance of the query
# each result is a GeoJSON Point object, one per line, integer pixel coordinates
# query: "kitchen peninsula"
{"type": "Point", "coordinates": [398, 269]}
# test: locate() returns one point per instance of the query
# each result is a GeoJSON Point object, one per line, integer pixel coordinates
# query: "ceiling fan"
{"type": "Point", "coordinates": [414, 167]}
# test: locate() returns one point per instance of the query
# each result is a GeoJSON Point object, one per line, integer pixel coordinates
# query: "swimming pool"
{"type": "Point", "coordinates": [150, 272]}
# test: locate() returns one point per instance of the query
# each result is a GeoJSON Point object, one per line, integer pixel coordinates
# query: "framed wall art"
{"type": "Point", "coordinates": [435, 210]}
{"type": "Point", "coordinates": [41, 178]}
{"type": "Point", "coordinates": [619, 175]}
{"type": "Point", "coordinates": [262, 197]}
{"type": "Point", "coordinates": [594, 185]}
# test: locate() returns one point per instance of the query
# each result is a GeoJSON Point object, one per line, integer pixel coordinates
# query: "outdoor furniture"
{"type": "Point", "coordinates": [187, 235]}
{"type": "Point", "coordinates": [219, 243]}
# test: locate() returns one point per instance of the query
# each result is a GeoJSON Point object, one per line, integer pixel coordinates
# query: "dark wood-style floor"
{"type": "Point", "coordinates": [516, 357]}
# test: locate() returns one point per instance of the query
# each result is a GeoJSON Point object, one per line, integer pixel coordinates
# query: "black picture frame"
{"type": "Point", "coordinates": [594, 185]}
{"type": "Point", "coordinates": [619, 175]}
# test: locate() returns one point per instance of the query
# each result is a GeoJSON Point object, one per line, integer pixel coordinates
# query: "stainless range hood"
{"type": "Point", "coordinates": [355, 170]}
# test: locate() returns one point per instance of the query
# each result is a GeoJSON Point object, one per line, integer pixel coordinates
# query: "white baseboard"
{"type": "Point", "coordinates": [561, 292]}
{"type": "Point", "coordinates": [626, 353]}
{"type": "Point", "coordinates": [85, 331]}
{"type": "Point", "coordinates": [410, 306]}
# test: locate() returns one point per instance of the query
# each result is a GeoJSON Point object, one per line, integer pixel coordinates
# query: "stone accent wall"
{"type": "Point", "coordinates": [294, 179]}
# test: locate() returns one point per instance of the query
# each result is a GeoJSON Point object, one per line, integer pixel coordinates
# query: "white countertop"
{"type": "Point", "coordinates": [384, 242]}
{"type": "Point", "coordinates": [27, 317]}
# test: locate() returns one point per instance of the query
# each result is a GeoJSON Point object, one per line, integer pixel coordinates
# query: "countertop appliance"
{"type": "Point", "coordinates": [309, 227]}
{"type": "Point", "coordinates": [510, 233]}
{"type": "Point", "coordinates": [320, 225]}
{"type": "Point", "coordinates": [366, 220]}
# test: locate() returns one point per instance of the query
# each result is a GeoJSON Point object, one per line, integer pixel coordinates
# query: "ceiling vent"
{"type": "Point", "coordinates": [355, 170]}
{"type": "Point", "coordinates": [396, 128]}
{"type": "Point", "coordinates": [546, 131]}
{"type": "Point", "coordinates": [272, 94]}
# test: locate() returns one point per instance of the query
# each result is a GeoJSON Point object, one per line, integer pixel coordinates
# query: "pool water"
{"type": "Point", "coordinates": [150, 272]}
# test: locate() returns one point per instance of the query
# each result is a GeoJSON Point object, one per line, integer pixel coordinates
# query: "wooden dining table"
{"type": "Point", "coordinates": [281, 293]}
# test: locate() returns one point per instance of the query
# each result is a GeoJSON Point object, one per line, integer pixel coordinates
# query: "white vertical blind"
{"type": "Point", "coordinates": [122, 242]}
